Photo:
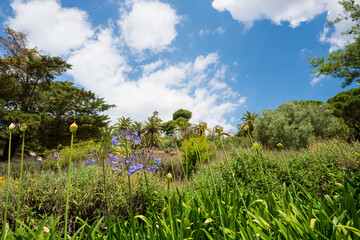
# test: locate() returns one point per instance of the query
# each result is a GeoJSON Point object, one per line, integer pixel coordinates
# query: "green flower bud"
{"type": "Point", "coordinates": [169, 177]}
{"type": "Point", "coordinates": [23, 127]}
{"type": "Point", "coordinates": [279, 145]}
{"type": "Point", "coordinates": [12, 126]}
{"type": "Point", "coordinates": [73, 127]}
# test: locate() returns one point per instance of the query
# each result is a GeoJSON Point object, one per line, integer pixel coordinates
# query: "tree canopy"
{"type": "Point", "coordinates": [346, 105]}
{"type": "Point", "coordinates": [30, 95]}
{"type": "Point", "coordinates": [295, 124]}
{"type": "Point", "coordinates": [343, 63]}
{"type": "Point", "coordinates": [182, 113]}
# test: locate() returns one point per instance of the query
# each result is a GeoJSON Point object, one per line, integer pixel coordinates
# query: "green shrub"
{"type": "Point", "coordinates": [295, 124]}
{"type": "Point", "coordinates": [80, 153]}
{"type": "Point", "coordinates": [195, 151]}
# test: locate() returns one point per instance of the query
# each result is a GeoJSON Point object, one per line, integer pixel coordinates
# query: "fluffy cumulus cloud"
{"type": "Point", "coordinates": [292, 11]}
{"type": "Point", "coordinates": [198, 86]}
{"type": "Point", "coordinates": [57, 30]}
{"type": "Point", "coordinates": [149, 25]}
{"type": "Point", "coordinates": [278, 11]}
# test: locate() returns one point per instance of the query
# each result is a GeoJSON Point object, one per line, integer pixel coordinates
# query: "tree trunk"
{"type": "Point", "coordinates": [152, 140]}
{"type": "Point", "coordinates": [15, 139]}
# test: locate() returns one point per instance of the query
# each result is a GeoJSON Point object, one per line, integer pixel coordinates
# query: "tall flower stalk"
{"type": "Point", "coordinates": [257, 147]}
{"type": "Point", "coordinates": [73, 128]}
{"type": "Point", "coordinates": [23, 129]}
{"type": "Point", "coordinates": [169, 178]}
{"type": "Point", "coordinates": [279, 145]}
{"type": "Point", "coordinates": [219, 130]}
{"type": "Point", "coordinates": [203, 126]}
{"type": "Point", "coordinates": [11, 129]}
{"type": "Point", "coordinates": [131, 163]}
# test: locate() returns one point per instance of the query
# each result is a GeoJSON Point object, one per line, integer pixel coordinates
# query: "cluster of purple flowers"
{"type": "Point", "coordinates": [142, 161]}
{"type": "Point", "coordinates": [126, 134]}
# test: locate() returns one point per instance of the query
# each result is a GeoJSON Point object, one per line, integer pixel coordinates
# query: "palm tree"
{"type": "Point", "coordinates": [123, 123]}
{"type": "Point", "coordinates": [182, 125]}
{"type": "Point", "coordinates": [248, 122]}
{"type": "Point", "coordinates": [153, 127]}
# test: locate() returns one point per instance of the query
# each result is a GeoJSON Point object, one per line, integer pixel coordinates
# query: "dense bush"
{"type": "Point", "coordinates": [80, 153]}
{"type": "Point", "coordinates": [195, 152]}
{"type": "Point", "coordinates": [295, 124]}
{"type": "Point", "coordinates": [346, 105]}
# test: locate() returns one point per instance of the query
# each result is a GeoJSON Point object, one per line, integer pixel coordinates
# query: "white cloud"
{"type": "Point", "coordinates": [218, 31]}
{"type": "Point", "coordinates": [292, 11]}
{"type": "Point", "coordinates": [149, 25]}
{"type": "Point", "coordinates": [99, 65]}
{"type": "Point", "coordinates": [317, 80]}
{"type": "Point", "coordinates": [161, 87]}
{"type": "Point", "coordinates": [54, 29]}
{"type": "Point", "coordinates": [278, 11]}
{"type": "Point", "coordinates": [201, 62]}
{"type": "Point", "coordinates": [151, 67]}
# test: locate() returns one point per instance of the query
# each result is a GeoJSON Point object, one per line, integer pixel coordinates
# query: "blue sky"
{"type": "Point", "coordinates": [217, 58]}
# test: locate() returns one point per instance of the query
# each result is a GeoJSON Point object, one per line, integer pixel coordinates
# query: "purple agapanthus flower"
{"type": "Point", "coordinates": [56, 155]}
{"type": "Point", "coordinates": [142, 161]}
{"type": "Point", "coordinates": [128, 135]}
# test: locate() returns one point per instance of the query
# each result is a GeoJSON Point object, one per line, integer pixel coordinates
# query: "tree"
{"type": "Point", "coordinates": [29, 94]}
{"type": "Point", "coordinates": [182, 113]}
{"type": "Point", "coordinates": [344, 64]}
{"type": "Point", "coordinates": [169, 127]}
{"type": "Point", "coordinates": [346, 105]}
{"type": "Point", "coordinates": [295, 124]}
{"type": "Point", "coordinates": [152, 127]}
{"type": "Point", "coordinates": [248, 122]}
{"type": "Point", "coordinates": [123, 122]}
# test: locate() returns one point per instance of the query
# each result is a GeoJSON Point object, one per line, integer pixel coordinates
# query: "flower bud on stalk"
{"type": "Point", "coordinates": [23, 127]}
{"type": "Point", "coordinates": [218, 129]}
{"type": "Point", "coordinates": [73, 127]}
{"type": "Point", "coordinates": [12, 126]}
{"type": "Point", "coordinates": [169, 177]}
{"type": "Point", "coordinates": [203, 125]}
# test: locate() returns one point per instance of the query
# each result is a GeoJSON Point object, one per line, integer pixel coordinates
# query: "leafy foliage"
{"type": "Point", "coordinates": [248, 123]}
{"type": "Point", "coordinates": [152, 129]}
{"type": "Point", "coordinates": [80, 154]}
{"type": "Point", "coordinates": [195, 152]}
{"type": "Point", "coordinates": [295, 124]}
{"type": "Point", "coordinates": [182, 113]}
{"type": "Point", "coordinates": [346, 105]}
